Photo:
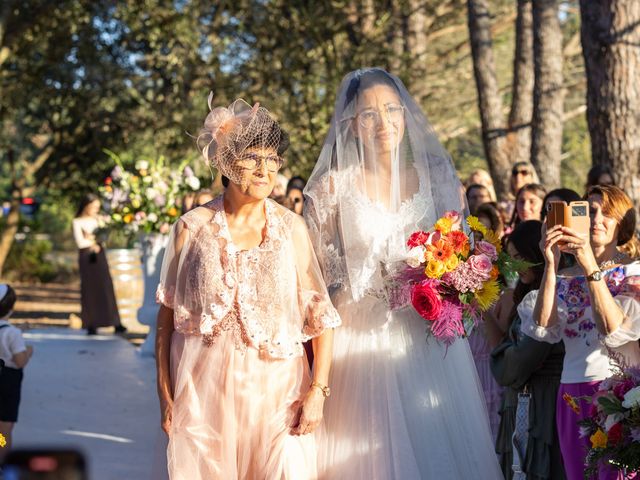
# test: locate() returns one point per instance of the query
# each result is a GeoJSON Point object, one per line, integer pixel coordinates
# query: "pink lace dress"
{"type": "Point", "coordinates": [237, 360]}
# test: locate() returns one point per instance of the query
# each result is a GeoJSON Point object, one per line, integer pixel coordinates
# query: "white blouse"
{"type": "Point", "coordinates": [83, 231]}
{"type": "Point", "coordinates": [587, 357]}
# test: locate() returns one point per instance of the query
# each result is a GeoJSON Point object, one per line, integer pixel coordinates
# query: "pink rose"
{"type": "Point", "coordinates": [164, 228]}
{"type": "Point", "coordinates": [480, 265]}
{"type": "Point", "coordinates": [426, 299]}
{"type": "Point", "coordinates": [456, 219]}
{"type": "Point", "coordinates": [488, 249]}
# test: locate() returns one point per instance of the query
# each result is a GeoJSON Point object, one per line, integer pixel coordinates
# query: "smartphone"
{"type": "Point", "coordinates": [575, 216]}
{"type": "Point", "coordinates": [44, 464]}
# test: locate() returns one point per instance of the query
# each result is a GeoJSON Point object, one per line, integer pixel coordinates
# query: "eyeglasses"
{"type": "Point", "coordinates": [251, 161]}
{"type": "Point", "coordinates": [515, 173]}
{"type": "Point", "coordinates": [370, 117]}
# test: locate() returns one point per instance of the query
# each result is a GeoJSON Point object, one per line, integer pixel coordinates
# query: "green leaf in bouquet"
{"type": "Point", "coordinates": [114, 156]}
{"type": "Point", "coordinates": [506, 263]}
{"type": "Point", "coordinates": [611, 405]}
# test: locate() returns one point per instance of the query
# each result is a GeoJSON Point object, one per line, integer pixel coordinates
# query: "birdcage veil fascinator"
{"type": "Point", "coordinates": [229, 131]}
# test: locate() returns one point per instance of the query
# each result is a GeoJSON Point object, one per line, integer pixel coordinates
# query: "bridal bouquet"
{"type": "Point", "coordinates": [145, 198]}
{"type": "Point", "coordinates": [460, 278]}
{"type": "Point", "coordinates": [613, 421]}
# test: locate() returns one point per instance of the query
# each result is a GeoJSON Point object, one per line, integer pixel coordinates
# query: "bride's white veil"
{"type": "Point", "coordinates": [380, 150]}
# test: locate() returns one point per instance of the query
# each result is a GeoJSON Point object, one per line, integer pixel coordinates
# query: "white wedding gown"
{"type": "Point", "coordinates": [402, 406]}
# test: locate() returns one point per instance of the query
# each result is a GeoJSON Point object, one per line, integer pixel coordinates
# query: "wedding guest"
{"type": "Point", "coordinates": [593, 307]}
{"type": "Point", "coordinates": [528, 204]}
{"type": "Point", "coordinates": [520, 364]}
{"type": "Point", "coordinates": [481, 177]}
{"type": "Point", "coordinates": [476, 196]}
{"type": "Point", "coordinates": [490, 217]}
{"type": "Point", "coordinates": [201, 197]}
{"type": "Point", "coordinates": [522, 173]}
{"type": "Point", "coordinates": [600, 175]}
{"type": "Point", "coordinates": [15, 354]}
{"type": "Point", "coordinates": [241, 290]}
{"type": "Point", "coordinates": [295, 197]}
{"type": "Point", "coordinates": [97, 297]}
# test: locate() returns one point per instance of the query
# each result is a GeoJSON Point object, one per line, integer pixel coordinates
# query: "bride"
{"type": "Point", "coordinates": [403, 406]}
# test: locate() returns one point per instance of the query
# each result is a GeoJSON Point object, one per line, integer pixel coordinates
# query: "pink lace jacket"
{"type": "Point", "coordinates": [272, 296]}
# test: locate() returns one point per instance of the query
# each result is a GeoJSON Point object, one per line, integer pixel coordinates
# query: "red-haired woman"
{"type": "Point", "coordinates": [593, 307]}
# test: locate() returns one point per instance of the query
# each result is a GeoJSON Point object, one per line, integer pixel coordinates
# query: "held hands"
{"type": "Point", "coordinates": [559, 239]}
{"type": "Point", "coordinates": [310, 412]}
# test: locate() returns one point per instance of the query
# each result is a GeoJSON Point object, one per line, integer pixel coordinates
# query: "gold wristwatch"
{"type": "Point", "coordinates": [326, 391]}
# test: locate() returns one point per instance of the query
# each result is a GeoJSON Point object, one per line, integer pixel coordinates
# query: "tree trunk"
{"type": "Point", "coordinates": [417, 48]}
{"type": "Point", "coordinates": [519, 137]}
{"type": "Point", "coordinates": [610, 32]}
{"type": "Point", "coordinates": [548, 92]}
{"type": "Point", "coordinates": [489, 100]}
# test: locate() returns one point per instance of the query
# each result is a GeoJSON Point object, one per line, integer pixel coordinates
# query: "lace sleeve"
{"type": "Point", "coordinates": [530, 328]}
{"type": "Point", "coordinates": [313, 298]}
{"type": "Point", "coordinates": [629, 302]}
{"type": "Point", "coordinates": [178, 240]}
{"type": "Point", "coordinates": [320, 214]}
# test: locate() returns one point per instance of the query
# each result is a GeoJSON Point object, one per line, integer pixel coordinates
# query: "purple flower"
{"type": "Point", "coordinates": [635, 434]}
{"type": "Point", "coordinates": [188, 172]}
{"type": "Point", "coordinates": [116, 173]}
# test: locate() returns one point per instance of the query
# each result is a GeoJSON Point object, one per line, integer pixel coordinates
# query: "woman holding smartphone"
{"type": "Point", "coordinates": [593, 307]}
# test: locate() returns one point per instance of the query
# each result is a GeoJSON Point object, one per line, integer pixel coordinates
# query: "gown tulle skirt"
{"type": "Point", "coordinates": [402, 407]}
{"type": "Point", "coordinates": [233, 412]}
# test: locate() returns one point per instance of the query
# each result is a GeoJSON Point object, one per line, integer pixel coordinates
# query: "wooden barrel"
{"type": "Point", "coordinates": [126, 272]}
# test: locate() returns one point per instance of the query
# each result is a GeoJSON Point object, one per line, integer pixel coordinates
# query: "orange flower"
{"type": "Point", "coordinates": [459, 241]}
{"type": "Point", "coordinates": [571, 402]}
{"type": "Point", "coordinates": [172, 212]}
{"type": "Point", "coordinates": [440, 250]}
{"type": "Point", "coordinates": [494, 272]}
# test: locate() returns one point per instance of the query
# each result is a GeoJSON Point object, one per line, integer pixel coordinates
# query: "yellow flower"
{"type": "Point", "coordinates": [435, 269]}
{"type": "Point", "coordinates": [451, 263]}
{"type": "Point", "coordinates": [598, 439]}
{"type": "Point", "coordinates": [128, 218]}
{"type": "Point", "coordinates": [3, 441]}
{"type": "Point", "coordinates": [172, 212]}
{"type": "Point", "coordinates": [476, 225]}
{"type": "Point", "coordinates": [492, 237]}
{"type": "Point", "coordinates": [444, 225]}
{"type": "Point", "coordinates": [488, 294]}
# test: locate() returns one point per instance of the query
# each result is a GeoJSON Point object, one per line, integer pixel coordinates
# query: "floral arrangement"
{"type": "Point", "coordinates": [460, 278]}
{"type": "Point", "coordinates": [145, 198]}
{"type": "Point", "coordinates": [613, 421]}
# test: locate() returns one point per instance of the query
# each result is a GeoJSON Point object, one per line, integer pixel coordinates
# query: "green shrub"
{"type": "Point", "coordinates": [27, 261]}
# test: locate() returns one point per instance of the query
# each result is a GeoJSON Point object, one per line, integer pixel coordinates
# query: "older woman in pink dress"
{"type": "Point", "coordinates": [241, 290]}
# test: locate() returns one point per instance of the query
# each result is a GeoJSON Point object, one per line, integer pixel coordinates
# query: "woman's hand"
{"type": "Point", "coordinates": [166, 408]}
{"type": "Point", "coordinates": [549, 246]}
{"type": "Point", "coordinates": [580, 248]}
{"type": "Point", "coordinates": [95, 248]}
{"type": "Point", "coordinates": [310, 412]}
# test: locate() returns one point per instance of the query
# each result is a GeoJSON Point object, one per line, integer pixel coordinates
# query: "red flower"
{"type": "Point", "coordinates": [623, 387]}
{"type": "Point", "coordinates": [426, 299]}
{"type": "Point", "coordinates": [417, 238]}
{"type": "Point", "coordinates": [107, 181]}
{"type": "Point", "coordinates": [615, 434]}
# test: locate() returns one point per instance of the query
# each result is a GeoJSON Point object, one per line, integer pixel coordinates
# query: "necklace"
{"type": "Point", "coordinates": [610, 263]}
